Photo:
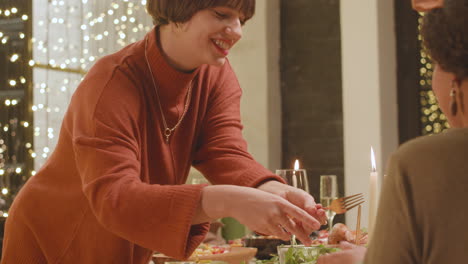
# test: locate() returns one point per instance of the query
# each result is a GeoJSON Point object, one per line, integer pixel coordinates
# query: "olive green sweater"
{"type": "Point", "coordinates": [423, 211]}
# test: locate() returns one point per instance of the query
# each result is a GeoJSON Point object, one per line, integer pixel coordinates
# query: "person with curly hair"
{"type": "Point", "coordinates": [113, 190]}
{"type": "Point", "coordinates": [421, 215]}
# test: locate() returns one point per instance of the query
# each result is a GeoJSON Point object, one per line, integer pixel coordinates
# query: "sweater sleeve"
{"type": "Point", "coordinates": [395, 238]}
{"type": "Point", "coordinates": [107, 154]}
{"type": "Point", "coordinates": [222, 154]}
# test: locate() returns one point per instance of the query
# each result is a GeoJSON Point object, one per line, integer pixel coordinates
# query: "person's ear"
{"type": "Point", "coordinates": [176, 26]}
{"type": "Point", "coordinates": [426, 5]}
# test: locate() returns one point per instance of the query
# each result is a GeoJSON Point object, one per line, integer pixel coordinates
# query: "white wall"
{"type": "Point", "coordinates": [255, 59]}
{"type": "Point", "coordinates": [256, 62]}
{"type": "Point", "coordinates": [369, 92]}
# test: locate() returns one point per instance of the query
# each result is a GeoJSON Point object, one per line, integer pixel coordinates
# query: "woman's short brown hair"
{"type": "Point", "coordinates": [445, 35]}
{"type": "Point", "coordinates": [180, 11]}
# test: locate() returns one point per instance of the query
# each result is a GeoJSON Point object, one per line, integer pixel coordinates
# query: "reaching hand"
{"type": "Point", "coordinates": [260, 211]}
{"type": "Point", "coordinates": [298, 197]}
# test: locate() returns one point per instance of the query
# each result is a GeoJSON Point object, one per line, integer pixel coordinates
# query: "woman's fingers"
{"type": "Point", "coordinates": [322, 216]}
{"type": "Point", "coordinates": [283, 233]}
{"type": "Point", "coordinates": [346, 245]}
{"type": "Point", "coordinates": [297, 230]}
{"type": "Point", "coordinates": [264, 212]}
{"type": "Point", "coordinates": [274, 230]}
{"type": "Point", "coordinates": [301, 199]}
{"type": "Point", "coordinates": [309, 223]}
{"type": "Point", "coordinates": [305, 201]}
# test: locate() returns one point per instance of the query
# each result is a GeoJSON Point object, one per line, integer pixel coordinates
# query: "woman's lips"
{"type": "Point", "coordinates": [221, 46]}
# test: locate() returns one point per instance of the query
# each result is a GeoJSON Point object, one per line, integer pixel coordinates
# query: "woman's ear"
{"type": "Point", "coordinates": [178, 26]}
{"type": "Point", "coordinates": [426, 5]}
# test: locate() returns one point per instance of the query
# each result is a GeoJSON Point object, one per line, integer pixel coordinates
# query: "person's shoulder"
{"type": "Point", "coordinates": [111, 81]}
{"type": "Point", "coordinates": [121, 67]}
{"type": "Point", "coordinates": [433, 149]}
{"type": "Point", "coordinates": [127, 60]}
{"type": "Point", "coordinates": [449, 140]}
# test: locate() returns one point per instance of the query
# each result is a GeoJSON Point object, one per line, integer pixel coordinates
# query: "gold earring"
{"type": "Point", "coordinates": [453, 100]}
{"type": "Point", "coordinates": [462, 105]}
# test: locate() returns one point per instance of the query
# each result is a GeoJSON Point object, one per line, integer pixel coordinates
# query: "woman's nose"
{"type": "Point", "coordinates": [234, 29]}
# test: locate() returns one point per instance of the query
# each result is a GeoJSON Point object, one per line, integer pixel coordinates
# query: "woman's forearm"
{"type": "Point", "coordinates": [212, 204]}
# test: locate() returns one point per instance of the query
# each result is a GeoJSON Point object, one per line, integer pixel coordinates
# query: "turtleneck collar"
{"type": "Point", "coordinates": [170, 81]}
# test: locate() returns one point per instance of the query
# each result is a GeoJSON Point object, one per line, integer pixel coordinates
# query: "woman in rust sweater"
{"type": "Point", "coordinates": [112, 191]}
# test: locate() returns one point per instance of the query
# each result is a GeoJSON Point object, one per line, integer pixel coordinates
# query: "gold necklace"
{"type": "Point", "coordinates": [167, 130]}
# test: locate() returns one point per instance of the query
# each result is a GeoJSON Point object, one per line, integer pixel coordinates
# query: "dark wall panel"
{"type": "Point", "coordinates": [408, 76]}
{"type": "Point", "coordinates": [311, 89]}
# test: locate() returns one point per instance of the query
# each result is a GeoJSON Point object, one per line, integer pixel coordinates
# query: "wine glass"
{"type": "Point", "coordinates": [296, 178]}
{"type": "Point", "coordinates": [328, 193]}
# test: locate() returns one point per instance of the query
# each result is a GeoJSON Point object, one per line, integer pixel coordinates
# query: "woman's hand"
{"type": "Point", "coordinates": [259, 210]}
{"type": "Point", "coordinates": [298, 197]}
{"type": "Point", "coordinates": [350, 254]}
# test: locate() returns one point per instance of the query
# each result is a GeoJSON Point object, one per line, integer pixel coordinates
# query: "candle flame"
{"type": "Point", "coordinates": [296, 165]}
{"type": "Point", "coordinates": [374, 167]}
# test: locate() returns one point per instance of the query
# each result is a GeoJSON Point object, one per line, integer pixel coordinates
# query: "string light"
{"type": "Point", "coordinates": [12, 161]}
{"type": "Point", "coordinates": [100, 29]}
{"type": "Point", "coordinates": [69, 37]}
{"type": "Point", "coordinates": [14, 57]}
{"type": "Point", "coordinates": [433, 121]}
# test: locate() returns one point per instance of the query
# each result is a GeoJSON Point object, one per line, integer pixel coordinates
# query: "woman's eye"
{"type": "Point", "coordinates": [221, 15]}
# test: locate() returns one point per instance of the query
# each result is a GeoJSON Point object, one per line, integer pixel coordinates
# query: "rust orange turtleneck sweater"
{"type": "Point", "coordinates": [112, 191]}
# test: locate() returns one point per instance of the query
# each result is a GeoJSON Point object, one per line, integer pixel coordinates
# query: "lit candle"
{"type": "Point", "coordinates": [373, 193]}
{"type": "Point", "coordinates": [294, 177]}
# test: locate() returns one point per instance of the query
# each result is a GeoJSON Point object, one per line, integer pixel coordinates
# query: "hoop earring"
{"type": "Point", "coordinates": [453, 100]}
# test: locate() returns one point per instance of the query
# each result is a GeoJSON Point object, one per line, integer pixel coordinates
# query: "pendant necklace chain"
{"type": "Point", "coordinates": [167, 130]}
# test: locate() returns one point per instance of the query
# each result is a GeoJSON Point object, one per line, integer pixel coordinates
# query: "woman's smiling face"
{"type": "Point", "coordinates": [211, 33]}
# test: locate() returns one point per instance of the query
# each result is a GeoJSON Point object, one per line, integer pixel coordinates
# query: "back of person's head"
{"type": "Point", "coordinates": [180, 11]}
{"type": "Point", "coordinates": [445, 35]}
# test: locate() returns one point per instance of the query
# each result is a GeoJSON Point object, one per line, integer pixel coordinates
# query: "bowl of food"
{"type": "Point", "coordinates": [236, 255]}
{"type": "Point", "coordinates": [288, 254]}
{"type": "Point", "coordinates": [323, 242]}
{"type": "Point", "coordinates": [207, 253]}
{"type": "Point", "coordinates": [266, 245]}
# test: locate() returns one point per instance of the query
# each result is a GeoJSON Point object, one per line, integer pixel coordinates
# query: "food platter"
{"type": "Point", "coordinates": [235, 255]}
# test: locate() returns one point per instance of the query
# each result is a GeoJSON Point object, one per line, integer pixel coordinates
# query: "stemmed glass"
{"type": "Point", "coordinates": [328, 193]}
{"type": "Point", "coordinates": [296, 178]}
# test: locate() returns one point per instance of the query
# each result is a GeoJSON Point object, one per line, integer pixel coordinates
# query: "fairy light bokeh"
{"type": "Point", "coordinates": [15, 119]}
{"type": "Point", "coordinates": [69, 36]}
{"type": "Point", "coordinates": [433, 121]}
{"type": "Point", "coordinates": [65, 38]}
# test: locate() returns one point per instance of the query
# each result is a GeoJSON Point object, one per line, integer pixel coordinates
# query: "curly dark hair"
{"type": "Point", "coordinates": [445, 36]}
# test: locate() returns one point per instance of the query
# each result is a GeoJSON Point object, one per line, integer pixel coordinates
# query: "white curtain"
{"type": "Point", "coordinates": [68, 37]}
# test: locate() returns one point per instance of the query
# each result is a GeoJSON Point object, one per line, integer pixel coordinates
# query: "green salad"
{"type": "Point", "coordinates": [299, 255]}
{"type": "Point", "coordinates": [306, 255]}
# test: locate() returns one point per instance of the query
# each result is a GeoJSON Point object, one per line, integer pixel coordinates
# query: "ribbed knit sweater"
{"type": "Point", "coordinates": [112, 191]}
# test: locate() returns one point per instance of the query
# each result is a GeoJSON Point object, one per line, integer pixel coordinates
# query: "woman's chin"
{"type": "Point", "coordinates": [218, 62]}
